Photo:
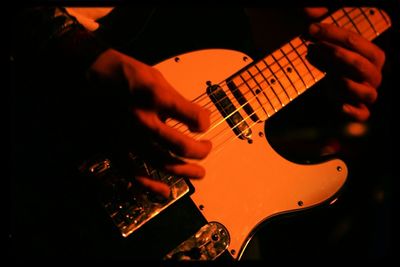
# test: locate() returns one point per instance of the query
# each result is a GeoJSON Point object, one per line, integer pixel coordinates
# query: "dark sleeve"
{"type": "Point", "coordinates": [54, 37]}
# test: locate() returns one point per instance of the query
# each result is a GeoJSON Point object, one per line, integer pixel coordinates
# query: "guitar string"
{"type": "Point", "coordinates": [230, 92]}
{"type": "Point", "coordinates": [253, 98]}
{"type": "Point", "coordinates": [261, 71]}
{"type": "Point", "coordinates": [270, 87]}
{"type": "Point", "coordinates": [205, 95]}
{"type": "Point", "coordinates": [225, 141]}
{"type": "Point", "coordinates": [229, 129]}
{"type": "Point", "coordinates": [348, 22]}
{"type": "Point", "coordinates": [249, 117]}
{"type": "Point", "coordinates": [237, 136]}
{"type": "Point", "coordinates": [255, 112]}
{"type": "Point", "coordinates": [364, 33]}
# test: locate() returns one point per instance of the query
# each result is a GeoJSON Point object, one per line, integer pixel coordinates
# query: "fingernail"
{"type": "Point", "coordinates": [314, 29]}
{"type": "Point", "coordinates": [346, 108]}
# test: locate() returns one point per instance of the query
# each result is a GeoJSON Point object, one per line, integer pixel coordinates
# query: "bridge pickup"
{"type": "Point", "coordinates": [129, 205]}
{"type": "Point", "coordinates": [242, 100]}
{"type": "Point", "coordinates": [229, 111]}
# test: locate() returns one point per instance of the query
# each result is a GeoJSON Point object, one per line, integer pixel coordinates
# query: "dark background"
{"type": "Point", "coordinates": [359, 225]}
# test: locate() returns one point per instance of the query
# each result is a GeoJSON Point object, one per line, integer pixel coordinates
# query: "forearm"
{"type": "Point", "coordinates": [54, 37]}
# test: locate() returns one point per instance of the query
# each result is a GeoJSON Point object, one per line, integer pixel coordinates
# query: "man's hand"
{"type": "Point", "coordinates": [357, 61]}
{"type": "Point", "coordinates": [153, 100]}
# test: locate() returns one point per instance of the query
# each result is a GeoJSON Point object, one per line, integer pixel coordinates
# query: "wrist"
{"type": "Point", "coordinates": [79, 48]}
{"type": "Point", "coordinates": [106, 68]}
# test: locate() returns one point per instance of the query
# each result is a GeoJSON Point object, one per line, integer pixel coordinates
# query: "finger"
{"type": "Point", "coordinates": [346, 62]}
{"type": "Point", "coordinates": [194, 116]}
{"type": "Point", "coordinates": [314, 13]}
{"type": "Point", "coordinates": [188, 170]}
{"type": "Point", "coordinates": [358, 112]}
{"type": "Point", "coordinates": [179, 143]}
{"type": "Point", "coordinates": [353, 41]}
{"type": "Point", "coordinates": [155, 186]}
{"type": "Point", "coordinates": [361, 92]}
{"type": "Point", "coordinates": [161, 159]}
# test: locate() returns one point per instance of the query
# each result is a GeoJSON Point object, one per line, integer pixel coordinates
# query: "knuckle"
{"type": "Point", "coordinates": [323, 30]}
{"type": "Point", "coordinates": [380, 57]}
{"type": "Point", "coordinates": [172, 168]}
{"type": "Point", "coordinates": [184, 149]}
{"type": "Point", "coordinates": [338, 53]}
{"type": "Point", "coordinates": [156, 76]}
{"type": "Point", "coordinates": [352, 40]}
{"type": "Point", "coordinates": [150, 122]}
{"type": "Point", "coordinates": [347, 83]}
{"type": "Point", "coordinates": [358, 64]}
{"type": "Point", "coordinates": [199, 172]}
{"type": "Point", "coordinates": [364, 115]}
{"type": "Point", "coordinates": [378, 80]}
{"type": "Point", "coordinates": [373, 96]}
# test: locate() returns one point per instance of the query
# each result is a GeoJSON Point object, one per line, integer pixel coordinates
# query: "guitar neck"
{"type": "Point", "coordinates": [280, 77]}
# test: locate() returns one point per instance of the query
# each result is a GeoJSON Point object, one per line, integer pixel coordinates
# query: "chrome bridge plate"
{"type": "Point", "coordinates": [207, 244]}
{"type": "Point", "coordinates": [129, 205]}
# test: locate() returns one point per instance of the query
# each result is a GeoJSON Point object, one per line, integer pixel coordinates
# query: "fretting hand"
{"type": "Point", "coordinates": [153, 100]}
{"type": "Point", "coordinates": [356, 61]}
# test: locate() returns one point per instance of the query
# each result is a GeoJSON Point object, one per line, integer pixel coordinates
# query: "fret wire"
{"type": "Point", "coordinates": [301, 39]}
{"type": "Point", "coordinates": [261, 91]}
{"type": "Point", "coordinates": [370, 23]}
{"type": "Point", "coordinates": [351, 20]}
{"type": "Point", "coordinates": [294, 49]}
{"type": "Point", "coordinates": [277, 80]}
{"type": "Point", "coordinates": [270, 86]}
{"type": "Point", "coordinates": [284, 72]}
{"type": "Point", "coordinates": [338, 15]}
{"type": "Point", "coordinates": [251, 89]}
{"type": "Point", "coordinates": [367, 31]}
{"type": "Point", "coordinates": [298, 74]}
{"type": "Point", "coordinates": [334, 20]}
{"type": "Point", "coordinates": [380, 12]}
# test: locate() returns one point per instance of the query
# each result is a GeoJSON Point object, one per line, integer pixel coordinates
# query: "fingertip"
{"type": "Point", "coordinates": [200, 173]}
{"type": "Point", "coordinates": [360, 113]}
{"type": "Point", "coordinates": [157, 187]}
{"type": "Point", "coordinates": [188, 170]}
{"type": "Point", "coordinates": [202, 121]}
{"type": "Point", "coordinates": [208, 145]}
{"type": "Point", "coordinates": [347, 108]}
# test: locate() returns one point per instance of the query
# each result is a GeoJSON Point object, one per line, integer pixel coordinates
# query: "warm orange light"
{"type": "Point", "coordinates": [356, 129]}
{"type": "Point", "coordinates": [87, 16]}
{"type": "Point", "coordinates": [333, 201]}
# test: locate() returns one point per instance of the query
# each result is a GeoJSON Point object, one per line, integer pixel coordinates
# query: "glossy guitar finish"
{"type": "Point", "coordinates": [247, 182]}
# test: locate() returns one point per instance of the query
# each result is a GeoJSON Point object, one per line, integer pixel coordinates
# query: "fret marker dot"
{"type": "Point", "coordinates": [289, 69]}
{"type": "Point", "coordinates": [258, 91]}
{"type": "Point", "coordinates": [273, 81]}
{"type": "Point", "coordinates": [371, 12]}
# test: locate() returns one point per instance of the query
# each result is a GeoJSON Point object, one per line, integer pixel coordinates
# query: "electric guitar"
{"type": "Point", "coordinates": [247, 182]}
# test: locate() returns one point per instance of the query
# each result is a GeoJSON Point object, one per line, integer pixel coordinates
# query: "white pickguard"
{"type": "Point", "coordinates": [247, 183]}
